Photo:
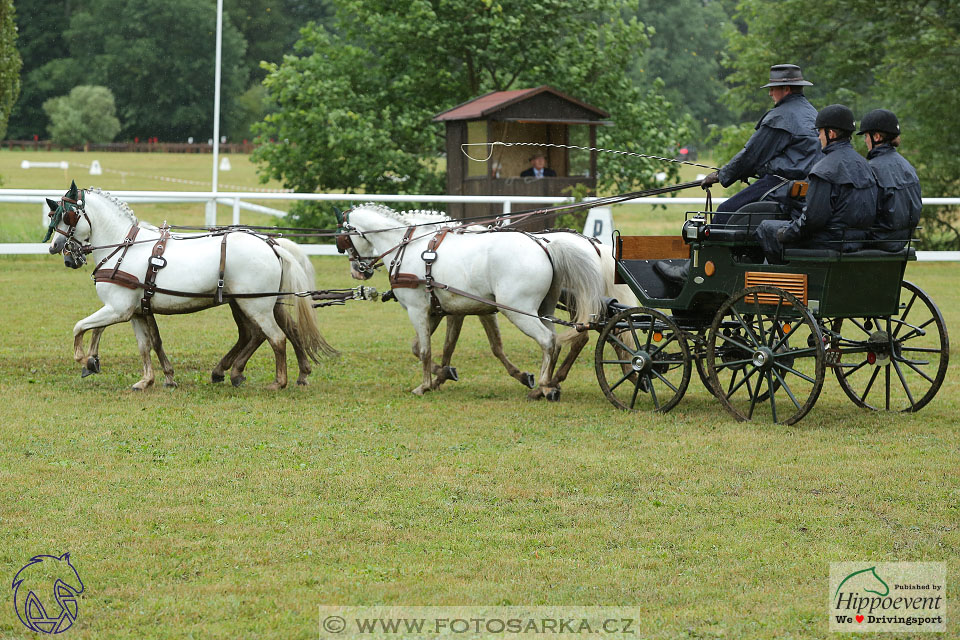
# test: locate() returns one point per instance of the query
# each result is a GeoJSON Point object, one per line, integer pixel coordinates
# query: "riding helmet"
{"type": "Point", "coordinates": [880, 120]}
{"type": "Point", "coordinates": [836, 116]}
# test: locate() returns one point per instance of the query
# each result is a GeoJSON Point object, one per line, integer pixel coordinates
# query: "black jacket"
{"type": "Point", "coordinates": [898, 201]}
{"type": "Point", "coordinates": [841, 202]}
{"type": "Point", "coordinates": [785, 143]}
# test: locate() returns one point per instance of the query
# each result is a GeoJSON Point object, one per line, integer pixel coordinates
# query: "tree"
{"type": "Point", "coordinates": [10, 63]}
{"type": "Point", "coordinates": [685, 49]}
{"type": "Point", "coordinates": [356, 102]}
{"type": "Point", "coordinates": [867, 54]}
{"type": "Point", "coordinates": [156, 57]}
{"type": "Point", "coordinates": [87, 114]}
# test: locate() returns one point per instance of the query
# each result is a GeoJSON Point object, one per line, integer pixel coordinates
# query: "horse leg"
{"type": "Point", "coordinates": [243, 337]}
{"type": "Point", "coordinates": [157, 341]}
{"type": "Point", "coordinates": [97, 321]}
{"type": "Point", "coordinates": [444, 371]}
{"type": "Point", "coordinates": [142, 331]}
{"type": "Point", "coordinates": [421, 321]}
{"type": "Point", "coordinates": [264, 320]}
{"type": "Point", "coordinates": [289, 328]}
{"type": "Point", "coordinates": [576, 346]}
{"type": "Point", "coordinates": [91, 359]}
{"type": "Point", "coordinates": [547, 340]}
{"type": "Point", "coordinates": [492, 329]}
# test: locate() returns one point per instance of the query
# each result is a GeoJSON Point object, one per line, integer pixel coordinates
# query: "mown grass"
{"type": "Point", "coordinates": [214, 512]}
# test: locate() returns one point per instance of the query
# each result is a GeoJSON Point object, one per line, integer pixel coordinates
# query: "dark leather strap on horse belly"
{"type": "Point", "coordinates": [113, 276]}
{"type": "Point", "coordinates": [157, 262]}
{"type": "Point", "coordinates": [405, 281]}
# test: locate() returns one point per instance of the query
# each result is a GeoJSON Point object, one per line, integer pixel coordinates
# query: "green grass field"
{"type": "Point", "coordinates": [214, 512]}
{"type": "Point", "coordinates": [209, 511]}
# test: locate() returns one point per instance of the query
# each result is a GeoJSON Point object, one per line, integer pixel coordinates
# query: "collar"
{"type": "Point", "coordinates": [881, 150]}
{"type": "Point", "coordinates": [837, 144]}
{"type": "Point", "coordinates": [787, 98]}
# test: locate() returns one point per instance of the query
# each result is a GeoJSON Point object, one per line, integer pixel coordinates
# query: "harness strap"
{"type": "Point", "coordinates": [223, 263]}
{"type": "Point", "coordinates": [156, 262]}
{"type": "Point", "coordinates": [125, 245]}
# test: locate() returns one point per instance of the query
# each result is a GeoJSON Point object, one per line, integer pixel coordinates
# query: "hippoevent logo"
{"type": "Point", "coordinates": [45, 594]}
{"type": "Point", "coordinates": [888, 596]}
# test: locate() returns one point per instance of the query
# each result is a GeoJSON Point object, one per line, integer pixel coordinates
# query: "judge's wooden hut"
{"type": "Point", "coordinates": [543, 116]}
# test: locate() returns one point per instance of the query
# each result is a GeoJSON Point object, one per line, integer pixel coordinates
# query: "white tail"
{"type": "Point", "coordinates": [298, 275]}
{"type": "Point", "coordinates": [577, 270]}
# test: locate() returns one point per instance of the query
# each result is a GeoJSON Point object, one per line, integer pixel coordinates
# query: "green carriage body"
{"type": "Point", "coordinates": [762, 334]}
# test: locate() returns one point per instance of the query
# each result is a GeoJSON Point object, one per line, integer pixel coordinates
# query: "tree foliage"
{"type": "Point", "coordinates": [866, 55]}
{"type": "Point", "coordinates": [356, 101]}
{"type": "Point", "coordinates": [10, 63]}
{"type": "Point", "coordinates": [687, 40]}
{"type": "Point", "coordinates": [87, 114]}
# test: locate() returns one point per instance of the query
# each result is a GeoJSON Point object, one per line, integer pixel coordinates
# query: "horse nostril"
{"type": "Point", "coordinates": [53, 250]}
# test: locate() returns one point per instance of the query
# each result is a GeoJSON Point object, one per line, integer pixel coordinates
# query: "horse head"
{"type": "Point", "coordinates": [360, 231]}
{"type": "Point", "coordinates": [46, 576]}
{"type": "Point", "coordinates": [70, 226]}
{"type": "Point", "coordinates": [866, 580]}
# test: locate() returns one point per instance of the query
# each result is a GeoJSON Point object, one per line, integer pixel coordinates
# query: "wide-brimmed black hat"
{"type": "Point", "coordinates": [786, 75]}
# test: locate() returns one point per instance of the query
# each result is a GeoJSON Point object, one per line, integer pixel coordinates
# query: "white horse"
{"type": "Point", "coordinates": [523, 276]}
{"type": "Point", "coordinates": [248, 340]}
{"type": "Point", "coordinates": [433, 221]}
{"type": "Point", "coordinates": [188, 275]}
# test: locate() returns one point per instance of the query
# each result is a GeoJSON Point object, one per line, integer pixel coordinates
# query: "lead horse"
{"type": "Point", "coordinates": [190, 273]}
{"type": "Point", "coordinates": [481, 271]}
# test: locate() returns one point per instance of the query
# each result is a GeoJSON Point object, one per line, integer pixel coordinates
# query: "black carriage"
{"type": "Point", "coordinates": [763, 336]}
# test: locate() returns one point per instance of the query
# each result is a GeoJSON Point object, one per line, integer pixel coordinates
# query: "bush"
{"type": "Point", "coordinates": [87, 114]}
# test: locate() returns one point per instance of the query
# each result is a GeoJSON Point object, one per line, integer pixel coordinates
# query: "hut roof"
{"type": "Point", "coordinates": [488, 104]}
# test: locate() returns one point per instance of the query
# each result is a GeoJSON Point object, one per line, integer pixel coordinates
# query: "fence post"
{"type": "Point", "coordinates": [43, 215]}
{"type": "Point", "coordinates": [236, 211]}
{"type": "Point", "coordinates": [507, 208]}
{"type": "Point", "coordinates": [210, 213]}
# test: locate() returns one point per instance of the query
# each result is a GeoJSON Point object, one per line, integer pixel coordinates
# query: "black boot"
{"type": "Point", "coordinates": [672, 272]}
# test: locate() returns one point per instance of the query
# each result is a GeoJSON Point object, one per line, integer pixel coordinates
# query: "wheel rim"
{"type": "Point", "coordinates": [765, 356]}
{"type": "Point", "coordinates": [642, 361]}
{"type": "Point", "coordinates": [893, 363]}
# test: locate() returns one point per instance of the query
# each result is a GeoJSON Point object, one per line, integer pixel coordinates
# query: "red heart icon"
{"type": "Point", "coordinates": [859, 618]}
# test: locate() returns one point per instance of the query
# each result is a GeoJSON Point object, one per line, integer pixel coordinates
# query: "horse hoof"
{"type": "Point", "coordinates": [239, 380]}
{"type": "Point", "coordinates": [170, 385]}
{"type": "Point", "coordinates": [450, 373]}
{"type": "Point", "coordinates": [536, 394]}
{"type": "Point", "coordinates": [275, 386]}
{"type": "Point", "coordinates": [216, 377]}
{"type": "Point", "coordinates": [553, 395]}
{"type": "Point", "coordinates": [301, 383]}
{"type": "Point", "coordinates": [93, 364]}
{"type": "Point", "coordinates": [528, 380]}
{"type": "Point", "coordinates": [85, 372]}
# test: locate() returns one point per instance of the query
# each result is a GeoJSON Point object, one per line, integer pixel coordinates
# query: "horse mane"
{"type": "Point", "coordinates": [423, 216]}
{"type": "Point", "coordinates": [122, 206]}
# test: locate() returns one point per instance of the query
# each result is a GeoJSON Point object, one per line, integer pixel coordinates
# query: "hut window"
{"type": "Point", "coordinates": [579, 135]}
{"type": "Point", "coordinates": [477, 133]}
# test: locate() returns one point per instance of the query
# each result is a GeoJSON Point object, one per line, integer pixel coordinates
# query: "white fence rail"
{"type": "Point", "coordinates": [239, 200]}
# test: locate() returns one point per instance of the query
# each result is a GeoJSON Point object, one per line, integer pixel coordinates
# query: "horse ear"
{"type": "Point", "coordinates": [74, 192]}
{"type": "Point", "coordinates": [66, 556]}
{"type": "Point", "coordinates": [339, 214]}
{"type": "Point", "coordinates": [52, 204]}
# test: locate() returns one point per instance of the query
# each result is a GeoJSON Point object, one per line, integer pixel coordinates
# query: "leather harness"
{"type": "Point", "coordinates": [156, 262]}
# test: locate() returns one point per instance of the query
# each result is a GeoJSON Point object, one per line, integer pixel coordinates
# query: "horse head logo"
{"type": "Point", "coordinates": [45, 594]}
{"type": "Point", "coordinates": [866, 580]}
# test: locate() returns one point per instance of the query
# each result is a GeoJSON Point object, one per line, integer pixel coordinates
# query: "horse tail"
{"type": "Point", "coordinates": [298, 275]}
{"type": "Point", "coordinates": [577, 269]}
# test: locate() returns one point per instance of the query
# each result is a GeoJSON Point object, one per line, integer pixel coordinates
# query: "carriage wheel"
{"type": "Point", "coordinates": [765, 356]}
{"type": "Point", "coordinates": [700, 360]}
{"type": "Point", "coordinates": [895, 363]}
{"type": "Point", "coordinates": [642, 361]}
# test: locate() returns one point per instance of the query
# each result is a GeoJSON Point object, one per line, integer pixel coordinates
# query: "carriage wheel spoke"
{"type": "Point", "coordinates": [795, 372]}
{"type": "Point", "coordinates": [665, 381]}
{"type": "Point", "coordinates": [773, 401]}
{"type": "Point", "coordinates": [749, 330]}
{"type": "Point", "coordinates": [903, 381]}
{"type": "Point", "coordinates": [786, 387]}
{"type": "Point", "coordinates": [869, 385]}
{"type": "Point", "coordinates": [919, 371]}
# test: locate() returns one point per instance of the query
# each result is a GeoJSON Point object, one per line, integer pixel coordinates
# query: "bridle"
{"type": "Point", "coordinates": [70, 211]}
{"type": "Point", "coordinates": [365, 264]}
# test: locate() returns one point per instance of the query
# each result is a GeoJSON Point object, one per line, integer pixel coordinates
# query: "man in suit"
{"type": "Point", "coordinates": [538, 167]}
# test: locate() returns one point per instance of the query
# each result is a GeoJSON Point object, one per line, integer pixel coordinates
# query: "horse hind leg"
{"type": "Point", "coordinates": [264, 320]}
{"type": "Point", "coordinates": [289, 328]}
{"type": "Point", "coordinates": [142, 332]}
{"type": "Point", "coordinates": [157, 341]}
{"type": "Point", "coordinates": [547, 339]}
{"type": "Point", "coordinates": [444, 371]}
{"type": "Point", "coordinates": [492, 329]}
{"type": "Point", "coordinates": [244, 336]}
